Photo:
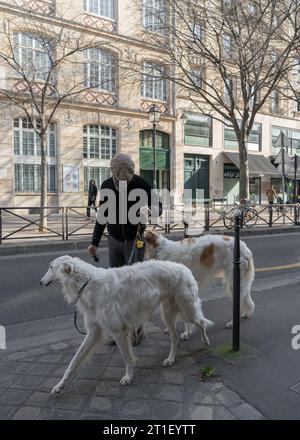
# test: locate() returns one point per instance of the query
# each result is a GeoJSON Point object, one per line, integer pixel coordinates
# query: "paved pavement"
{"type": "Point", "coordinates": [42, 349]}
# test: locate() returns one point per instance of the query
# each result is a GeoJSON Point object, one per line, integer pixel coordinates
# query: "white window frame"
{"type": "Point", "coordinates": [106, 136]}
{"type": "Point", "coordinates": [97, 173]}
{"type": "Point", "coordinates": [153, 85]}
{"type": "Point", "coordinates": [102, 64]}
{"type": "Point", "coordinates": [103, 8]}
{"type": "Point", "coordinates": [154, 13]}
{"type": "Point", "coordinates": [22, 128]}
{"type": "Point", "coordinates": [31, 55]}
{"type": "Point", "coordinates": [35, 171]}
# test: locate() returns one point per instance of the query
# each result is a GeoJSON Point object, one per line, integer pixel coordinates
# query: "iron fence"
{"type": "Point", "coordinates": [63, 223]}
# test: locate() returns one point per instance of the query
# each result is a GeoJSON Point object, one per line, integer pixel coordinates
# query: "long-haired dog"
{"type": "Point", "coordinates": [116, 300]}
{"type": "Point", "coordinates": [206, 257]}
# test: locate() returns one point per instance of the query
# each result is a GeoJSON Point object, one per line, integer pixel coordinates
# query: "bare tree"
{"type": "Point", "coordinates": [49, 63]}
{"type": "Point", "coordinates": [229, 58]}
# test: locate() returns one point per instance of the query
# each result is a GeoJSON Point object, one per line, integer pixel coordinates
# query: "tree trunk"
{"type": "Point", "coordinates": [44, 183]}
{"type": "Point", "coordinates": [244, 167]}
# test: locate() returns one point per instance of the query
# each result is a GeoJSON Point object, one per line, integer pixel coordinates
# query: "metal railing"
{"type": "Point", "coordinates": [63, 223]}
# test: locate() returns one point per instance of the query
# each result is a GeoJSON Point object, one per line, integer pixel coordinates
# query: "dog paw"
{"type": "Point", "coordinates": [245, 315]}
{"type": "Point", "coordinates": [168, 362]}
{"type": "Point", "coordinates": [57, 389]}
{"type": "Point", "coordinates": [166, 331]}
{"type": "Point", "coordinates": [126, 380]}
{"type": "Point", "coordinates": [229, 324]}
{"type": "Point", "coordinates": [185, 336]}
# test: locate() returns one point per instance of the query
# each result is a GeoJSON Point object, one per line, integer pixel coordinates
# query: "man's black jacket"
{"type": "Point", "coordinates": [122, 232]}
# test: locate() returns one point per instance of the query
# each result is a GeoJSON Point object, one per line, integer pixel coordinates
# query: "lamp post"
{"type": "Point", "coordinates": [154, 114]}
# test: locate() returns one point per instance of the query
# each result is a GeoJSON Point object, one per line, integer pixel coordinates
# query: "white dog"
{"type": "Point", "coordinates": [119, 299]}
{"type": "Point", "coordinates": [206, 257]}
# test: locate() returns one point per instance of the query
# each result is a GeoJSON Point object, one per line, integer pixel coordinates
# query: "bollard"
{"type": "Point", "coordinates": [236, 283]}
{"type": "Point", "coordinates": [206, 207]}
{"type": "Point", "coordinates": [270, 215]}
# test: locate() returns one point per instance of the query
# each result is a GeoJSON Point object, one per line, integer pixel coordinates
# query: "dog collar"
{"type": "Point", "coordinates": [81, 290]}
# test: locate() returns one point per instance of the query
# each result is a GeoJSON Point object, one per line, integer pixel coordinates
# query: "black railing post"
{"type": "Point", "coordinates": [236, 283]}
{"type": "Point", "coordinates": [0, 226]}
{"type": "Point", "coordinates": [270, 215]}
{"type": "Point", "coordinates": [67, 224]}
{"type": "Point", "coordinates": [206, 207]}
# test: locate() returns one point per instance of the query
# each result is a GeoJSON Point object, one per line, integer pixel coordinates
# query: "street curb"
{"type": "Point", "coordinates": [79, 244]}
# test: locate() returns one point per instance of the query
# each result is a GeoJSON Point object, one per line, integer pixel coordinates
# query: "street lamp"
{"type": "Point", "coordinates": [154, 114]}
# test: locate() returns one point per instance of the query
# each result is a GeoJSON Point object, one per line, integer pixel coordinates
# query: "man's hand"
{"type": "Point", "coordinates": [92, 250]}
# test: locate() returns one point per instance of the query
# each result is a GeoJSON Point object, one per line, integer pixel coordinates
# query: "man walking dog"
{"type": "Point", "coordinates": [122, 233]}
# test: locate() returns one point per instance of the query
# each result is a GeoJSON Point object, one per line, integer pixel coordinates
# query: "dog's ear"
{"type": "Point", "coordinates": [68, 268]}
{"type": "Point", "coordinates": [151, 238]}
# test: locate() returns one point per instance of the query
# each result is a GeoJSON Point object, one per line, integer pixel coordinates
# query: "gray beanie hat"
{"type": "Point", "coordinates": [122, 167]}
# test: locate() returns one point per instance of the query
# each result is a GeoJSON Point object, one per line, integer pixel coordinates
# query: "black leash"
{"type": "Point", "coordinates": [75, 313]}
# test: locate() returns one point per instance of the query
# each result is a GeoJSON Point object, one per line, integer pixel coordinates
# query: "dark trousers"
{"type": "Point", "coordinates": [90, 203]}
{"type": "Point", "coordinates": [119, 253]}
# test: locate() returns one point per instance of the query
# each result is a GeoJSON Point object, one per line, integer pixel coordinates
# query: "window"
{"type": "Point", "coordinates": [33, 53]}
{"type": "Point", "coordinates": [154, 85]}
{"type": "Point", "coordinates": [227, 46]}
{"type": "Point", "coordinates": [99, 174]}
{"type": "Point", "coordinates": [198, 130]}
{"type": "Point", "coordinates": [230, 89]}
{"type": "Point", "coordinates": [154, 15]}
{"type": "Point", "coordinates": [99, 142]}
{"type": "Point", "coordinates": [254, 141]}
{"type": "Point", "coordinates": [275, 101]}
{"type": "Point", "coordinates": [27, 142]}
{"type": "Point", "coordinates": [100, 70]}
{"type": "Point", "coordinates": [146, 139]}
{"type": "Point", "coordinates": [106, 8]}
{"type": "Point", "coordinates": [195, 77]}
{"type": "Point", "coordinates": [27, 178]}
{"type": "Point", "coordinates": [293, 135]}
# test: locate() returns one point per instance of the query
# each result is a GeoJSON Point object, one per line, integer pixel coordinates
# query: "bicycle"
{"type": "Point", "coordinates": [249, 215]}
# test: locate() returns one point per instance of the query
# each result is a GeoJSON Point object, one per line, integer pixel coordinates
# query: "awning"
{"type": "Point", "coordinates": [259, 165]}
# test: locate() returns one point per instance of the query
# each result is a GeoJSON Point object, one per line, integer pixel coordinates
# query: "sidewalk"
{"type": "Point", "coordinates": [53, 245]}
{"type": "Point", "coordinates": [39, 352]}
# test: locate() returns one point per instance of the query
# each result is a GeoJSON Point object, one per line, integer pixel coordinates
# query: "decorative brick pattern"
{"type": "Point", "coordinates": [41, 7]}
{"type": "Point", "coordinates": [21, 86]}
{"type": "Point", "coordinates": [99, 23]}
{"type": "Point", "coordinates": [94, 97]}
{"type": "Point", "coordinates": [145, 106]}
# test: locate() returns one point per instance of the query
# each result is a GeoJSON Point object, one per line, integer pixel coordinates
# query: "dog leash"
{"type": "Point", "coordinates": [75, 313]}
{"type": "Point", "coordinates": [138, 244]}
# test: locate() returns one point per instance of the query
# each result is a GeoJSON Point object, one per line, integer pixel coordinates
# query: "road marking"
{"type": "Point", "coordinates": [284, 267]}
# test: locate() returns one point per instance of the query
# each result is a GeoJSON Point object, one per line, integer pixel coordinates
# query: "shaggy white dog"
{"type": "Point", "coordinates": [119, 299]}
{"type": "Point", "coordinates": [206, 257]}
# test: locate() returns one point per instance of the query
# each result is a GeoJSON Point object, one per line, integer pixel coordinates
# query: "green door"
{"type": "Point", "coordinates": [196, 174]}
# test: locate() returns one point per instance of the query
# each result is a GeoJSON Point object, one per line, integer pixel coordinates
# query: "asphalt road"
{"type": "Point", "coordinates": [23, 299]}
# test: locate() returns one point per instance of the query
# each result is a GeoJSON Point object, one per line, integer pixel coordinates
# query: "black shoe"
{"type": "Point", "coordinates": [137, 336]}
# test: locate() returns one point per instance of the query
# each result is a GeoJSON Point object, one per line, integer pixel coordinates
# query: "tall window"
{"type": "Point", "coordinates": [198, 130]}
{"type": "Point", "coordinates": [99, 142]}
{"type": "Point", "coordinates": [275, 101]}
{"type": "Point", "coordinates": [100, 70]}
{"type": "Point", "coordinates": [254, 141]}
{"type": "Point", "coordinates": [227, 46]}
{"type": "Point", "coordinates": [99, 174]}
{"type": "Point", "coordinates": [154, 85]}
{"type": "Point", "coordinates": [293, 135]}
{"type": "Point", "coordinates": [33, 53]}
{"type": "Point", "coordinates": [27, 178]}
{"type": "Point", "coordinates": [155, 15]}
{"type": "Point", "coordinates": [106, 8]}
{"type": "Point", "coordinates": [27, 142]}
{"type": "Point", "coordinates": [195, 77]}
